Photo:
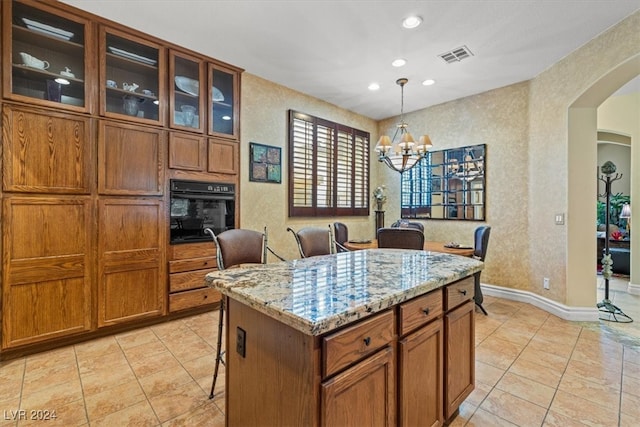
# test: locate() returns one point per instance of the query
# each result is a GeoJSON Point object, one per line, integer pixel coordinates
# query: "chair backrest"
{"type": "Point", "coordinates": [408, 224]}
{"type": "Point", "coordinates": [341, 235]}
{"type": "Point", "coordinates": [313, 241]}
{"type": "Point", "coordinates": [239, 246]}
{"type": "Point", "coordinates": [400, 238]}
{"type": "Point", "coordinates": [481, 241]}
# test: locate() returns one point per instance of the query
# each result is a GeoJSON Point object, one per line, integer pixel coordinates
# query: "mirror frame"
{"type": "Point", "coordinates": [446, 184]}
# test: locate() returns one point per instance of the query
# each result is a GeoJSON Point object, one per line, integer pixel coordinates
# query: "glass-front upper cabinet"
{"type": "Point", "coordinates": [130, 77]}
{"type": "Point", "coordinates": [45, 57]}
{"type": "Point", "coordinates": [224, 91]}
{"type": "Point", "coordinates": [186, 100]}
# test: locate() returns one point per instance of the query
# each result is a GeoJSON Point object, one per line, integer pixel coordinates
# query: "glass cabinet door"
{"type": "Point", "coordinates": [130, 84]}
{"type": "Point", "coordinates": [45, 59]}
{"type": "Point", "coordinates": [223, 101]}
{"type": "Point", "coordinates": [186, 94]}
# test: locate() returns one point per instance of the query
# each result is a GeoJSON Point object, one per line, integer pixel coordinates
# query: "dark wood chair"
{"type": "Point", "coordinates": [236, 247]}
{"type": "Point", "coordinates": [313, 241]}
{"type": "Point", "coordinates": [400, 238]}
{"type": "Point", "coordinates": [341, 236]}
{"type": "Point", "coordinates": [481, 242]}
{"type": "Point", "coordinates": [408, 224]}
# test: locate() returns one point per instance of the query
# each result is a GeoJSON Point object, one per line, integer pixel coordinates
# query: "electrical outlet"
{"type": "Point", "coordinates": [545, 283]}
{"type": "Point", "coordinates": [241, 341]}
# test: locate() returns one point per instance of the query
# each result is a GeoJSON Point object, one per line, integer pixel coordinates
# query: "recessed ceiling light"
{"type": "Point", "coordinates": [399, 62]}
{"type": "Point", "coordinates": [226, 117]}
{"type": "Point", "coordinates": [411, 21]}
{"type": "Point", "coordinates": [428, 82]}
{"type": "Point", "coordinates": [62, 81]}
{"type": "Point", "coordinates": [374, 86]}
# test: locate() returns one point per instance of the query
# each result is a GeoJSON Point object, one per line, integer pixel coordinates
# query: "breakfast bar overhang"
{"type": "Point", "coordinates": [372, 337]}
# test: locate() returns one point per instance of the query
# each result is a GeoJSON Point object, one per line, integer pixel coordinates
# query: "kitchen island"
{"type": "Point", "coordinates": [372, 337]}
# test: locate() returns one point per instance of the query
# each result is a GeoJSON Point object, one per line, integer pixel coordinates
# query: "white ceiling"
{"type": "Point", "coordinates": [332, 50]}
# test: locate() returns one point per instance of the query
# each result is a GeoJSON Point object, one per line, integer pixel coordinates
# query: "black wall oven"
{"type": "Point", "coordinates": [196, 205]}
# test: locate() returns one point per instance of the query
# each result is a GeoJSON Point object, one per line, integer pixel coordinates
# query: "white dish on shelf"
{"type": "Point", "coordinates": [129, 55]}
{"type": "Point", "coordinates": [190, 86]}
{"type": "Point", "coordinates": [217, 95]}
{"type": "Point", "coordinates": [47, 29]}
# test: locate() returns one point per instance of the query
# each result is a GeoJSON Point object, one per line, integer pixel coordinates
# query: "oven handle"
{"type": "Point", "coordinates": [203, 196]}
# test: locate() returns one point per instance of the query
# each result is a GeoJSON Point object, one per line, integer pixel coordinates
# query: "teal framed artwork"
{"type": "Point", "coordinates": [265, 163]}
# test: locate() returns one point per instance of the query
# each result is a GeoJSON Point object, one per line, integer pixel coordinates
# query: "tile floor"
{"type": "Point", "coordinates": [532, 369]}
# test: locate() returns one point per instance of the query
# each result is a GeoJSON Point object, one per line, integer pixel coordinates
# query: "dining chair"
{"type": "Point", "coordinates": [235, 247]}
{"type": "Point", "coordinates": [313, 241]}
{"type": "Point", "coordinates": [400, 238]}
{"type": "Point", "coordinates": [408, 224]}
{"type": "Point", "coordinates": [340, 236]}
{"type": "Point", "coordinates": [481, 241]}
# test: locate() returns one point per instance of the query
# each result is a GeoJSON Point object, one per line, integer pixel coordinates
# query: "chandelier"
{"type": "Point", "coordinates": [402, 154]}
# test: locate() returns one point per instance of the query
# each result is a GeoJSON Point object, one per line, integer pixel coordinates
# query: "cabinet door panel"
{"type": "Point", "coordinates": [130, 160]}
{"type": "Point", "coordinates": [459, 357]}
{"type": "Point", "coordinates": [223, 157]}
{"type": "Point", "coordinates": [420, 385]}
{"type": "Point", "coordinates": [187, 152]}
{"type": "Point", "coordinates": [46, 272]}
{"type": "Point", "coordinates": [224, 101]}
{"type": "Point", "coordinates": [363, 395]}
{"type": "Point", "coordinates": [131, 264]}
{"type": "Point", "coordinates": [46, 152]}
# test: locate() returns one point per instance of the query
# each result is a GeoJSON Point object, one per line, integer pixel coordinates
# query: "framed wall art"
{"type": "Point", "coordinates": [265, 163]}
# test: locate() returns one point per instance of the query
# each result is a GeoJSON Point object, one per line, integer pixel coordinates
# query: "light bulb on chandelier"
{"type": "Point", "coordinates": [403, 154]}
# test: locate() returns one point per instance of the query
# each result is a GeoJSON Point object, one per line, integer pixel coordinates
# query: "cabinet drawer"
{"type": "Point", "coordinates": [195, 298]}
{"type": "Point", "coordinates": [419, 311]}
{"type": "Point", "coordinates": [458, 293]}
{"type": "Point", "coordinates": [187, 280]}
{"type": "Point", "coordinates": [356, 342]}
{"type": "Point", "coordinates": [192, 264]}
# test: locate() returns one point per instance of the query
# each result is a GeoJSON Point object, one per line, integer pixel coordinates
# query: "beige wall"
{"type": "Point", "coordinates": [539, 163]}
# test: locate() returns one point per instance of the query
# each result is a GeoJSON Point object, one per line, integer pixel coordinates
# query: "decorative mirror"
{"type": "Point", "coordinates": [446, 184]}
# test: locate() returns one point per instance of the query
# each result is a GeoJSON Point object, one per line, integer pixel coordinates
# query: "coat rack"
{"type": "Point", "coordinates": [613, 313]}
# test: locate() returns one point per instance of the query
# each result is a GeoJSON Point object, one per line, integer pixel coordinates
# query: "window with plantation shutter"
{"type": "Point", "coordinates": [328, 168]}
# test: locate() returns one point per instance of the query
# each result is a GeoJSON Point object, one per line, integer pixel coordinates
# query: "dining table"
{"type": "Point", "coordinates": [432, 246]}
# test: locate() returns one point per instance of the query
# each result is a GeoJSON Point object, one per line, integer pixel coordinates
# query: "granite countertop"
{"type": "Point", "coordinates": [318, 294]}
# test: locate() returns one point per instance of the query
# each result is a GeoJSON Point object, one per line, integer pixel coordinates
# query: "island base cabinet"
{"type": "Point", "coordinates": [363, 395]}
{"type": "Point", "coordinates": [459, 357]}
{"type": "Point", "coordinates": [275, 382]}
{"type": "Point", "coordinates": [421, 370]}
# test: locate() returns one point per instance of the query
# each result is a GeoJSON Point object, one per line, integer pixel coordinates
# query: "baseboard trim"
{"type": "Point", "coordinates": [633, 289]}
{"type": "Point", "coordinates": [576, 314]}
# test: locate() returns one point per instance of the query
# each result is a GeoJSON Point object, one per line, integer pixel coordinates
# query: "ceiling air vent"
{"type": "Point", "coordinates": [456, 55]}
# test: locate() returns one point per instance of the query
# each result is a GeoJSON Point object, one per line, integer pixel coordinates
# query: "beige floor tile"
{"type": "Point", "coordinates": [563, 349]}
{"type": "Point", "coordinates": [114, 399]}
{"type": "Point", "coordinates": [480, 392]}
{"type": "Point", "coordinates": [584, 411]}
{"type": "Point", "coordinates": [70, 414]}
{"type": "Point", "coordinates": [537, 372]}
{"type": "Point", "coordinates": [554, 419]}
{"type": "Point", "coordinates": [518, 336]}
{"type": "Point", "coordinates": [138, 415]}
{"type": "Point", "coordinates": [9, 411]}
{"type": "Point", "coordinates": [513, 409]}
{"type": "Point", "coordinates": [45, 377]}
{"type": "Point", "coordinates": [597, 393]}
{"type": "Point", "coordinates": [632, 354]}
{"type": "Point", "coordinates": [630, 385]}
{"type": "Point", "coordinates": [526, 389]}
{"type": "Point", "coordinates": [94, 383]}
{"type": "Point", "coordinates": [179, 401]}
{"type": "Point", "coordinates": [98, 347]}
{"type": "Point", "coordinates": [207, 415]}
{"type": "Point", "coordinates": [482, 418]}
{"type": "Point", "coordinates": [550, 360]}
{"type": "Point", "coordinates": [595, 373]}
{"type": "Point", "coordinates": [53, 397]}
{"type": "Point", "coordinates": [165, 381]}
{"type": "Point", "coordinates": [628, 421]}
{"type": "Point", "coordinates": [156, 362]}
{"type": "Point", "coordinates": [202, 366]}
{"type": "Point", "coordinates": [630, 405]}
{"type": "Point", "coordinates": [11, 377]}
{"type": "Point", "coordinates": [498, 352]}
{"type": "Point", "coordinates": [146, 351]}
{"type": "Point", "coordinates": [51, 359]}
{"type": "Point", "coordinates": [161, 330]}
{"type": "Point", "coordinates": [465, 412]}
{"type": "Point", "coordinates": [190, 348]}
{"type": "Point", "coordinates": [136, 338]}
{"type": "Point", "coordinates": [102, 363]}
{"type": "Point", "coordinates": [488, 374]}
{"type": "Point", "coordinates": [632, 370]}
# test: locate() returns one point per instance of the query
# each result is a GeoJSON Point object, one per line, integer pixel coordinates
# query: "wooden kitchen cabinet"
{"type": "Point", "coordinates": [224, 96]}
{"type": "Point", "coordinates": [46, 152]}
{"type": "Point", "coordinates": [459, 325]}
{"type": "Point", "coordinates": [187, 152]}
{"type": "Point", "coordinates": [187, 80]}
{"type": "Point", "coordinates": [48, 57]}
{"type": "Point", "coordinates": [420, 360]}
{"type": "Point", "coordinates": [130, 159]}
{"type": "Point", "coordinates": [46, 268]}
{"type": "Point", "coordinates": [223, 157]}
{"type": "Point", "coordinates": [131, 260]}
{"type": "Point", "coordinates": [188, 264]}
